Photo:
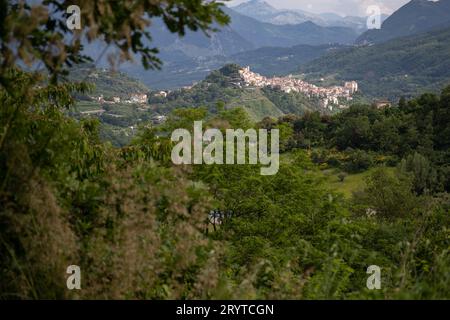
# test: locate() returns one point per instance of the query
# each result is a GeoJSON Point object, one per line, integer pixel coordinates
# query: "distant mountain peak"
{"type": "Point", "coordinates": [264, 12]}
{"type": "Point", "coordinates": [257, 2]}
{"type": "Point", "coordinates": [310, 24]}
{"type": "Point", "coordinates": [259, 7]}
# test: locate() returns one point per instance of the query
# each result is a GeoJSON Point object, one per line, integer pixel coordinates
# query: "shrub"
{"type": "Point", "coordinates": [342, 176]}
{"type": "Point", "coordinates": [358, 161]}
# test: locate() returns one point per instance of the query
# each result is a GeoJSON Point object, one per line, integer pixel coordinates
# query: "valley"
{"type": "Point", "coordinates": [122, 104]}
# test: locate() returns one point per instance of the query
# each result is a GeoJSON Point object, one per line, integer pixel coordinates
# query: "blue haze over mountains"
{"type": "Point", "coordinates": [192, 57]}
{"type": "Point", "coordinates": [273, 41]}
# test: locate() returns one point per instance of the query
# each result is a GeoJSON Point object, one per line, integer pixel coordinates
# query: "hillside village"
{"type": "Point", "coordinates": [122, 100]}
{"type": "Point", "coordinates": [329, 97]}
{"type": "Point", "coordinates": [134, 98]}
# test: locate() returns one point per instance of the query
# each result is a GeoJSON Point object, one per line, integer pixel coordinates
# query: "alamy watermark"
{"type": "Point", "coordinates": [74, 280]}
{"type": "Point", "coordinates": [73, 22]}
{"type": "Point", "coordinates": [374, 280]}
{"type": "Point", "coordinates": [374, 17]}
{"type": "Point", "coordinates": [208, 147]}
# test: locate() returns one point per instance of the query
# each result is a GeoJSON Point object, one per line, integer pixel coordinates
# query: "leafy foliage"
{"type": "Point", "coordinates": [141, 228]}
{"type": "Point", "coordinates": [38, 30]}
{"type": "Point", "coordinates": [363, 136]}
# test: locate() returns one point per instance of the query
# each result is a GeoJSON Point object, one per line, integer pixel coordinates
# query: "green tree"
{"type": "Point", "coordinates": [31, 33]}
{"type": "Point", "coordinates": [66, 197]}
{"type": "Point", "coordinates": [354, 133]}
{"type": "Point", "coordinates": [389, 195]}
{"type": "Point", "coordinates": [425, 178]}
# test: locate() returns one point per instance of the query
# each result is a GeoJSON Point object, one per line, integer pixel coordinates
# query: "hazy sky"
{"type": "Point", "coordinates": [342, 7]}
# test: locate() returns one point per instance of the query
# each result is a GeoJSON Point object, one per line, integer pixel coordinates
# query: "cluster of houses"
{"type": "Point", "coordinates": [328, 96]}
{"type": "Point", "coordinates": [135, 98]}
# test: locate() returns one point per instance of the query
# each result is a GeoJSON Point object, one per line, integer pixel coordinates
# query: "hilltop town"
{"type": "Point", "coordinates": [329, 96]}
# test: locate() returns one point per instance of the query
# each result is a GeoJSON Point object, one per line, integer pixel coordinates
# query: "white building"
{"type": "Point", "coordinates": [138, 98]}
{"type": "Point", "coordinates": [328, 95]}
{"type": "Point", "coordinates": [161, 94]}
{"type": "Point", "coordinates": [352, 86]}
{"type": "Point", "coordinates": [159, 119]}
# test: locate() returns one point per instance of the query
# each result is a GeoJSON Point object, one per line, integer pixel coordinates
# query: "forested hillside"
{"type": "Point", "coordinates": [401, 67]}
{"type": "Point", "coordinates": [281, 61]}
{"type": "Point", "coordinates": [119, 120]}
{"type": "Point", "coordinates": [106, 82]}
{"type": "Point", "coordinates": [225, 231]}
{"type": "Point", "coordinates": [221, 87]}
{"type": "Point", "coordinates": [415, 17]}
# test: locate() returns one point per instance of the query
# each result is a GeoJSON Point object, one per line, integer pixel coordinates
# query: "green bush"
{"type": "Point", "coordinates": [358, 161]}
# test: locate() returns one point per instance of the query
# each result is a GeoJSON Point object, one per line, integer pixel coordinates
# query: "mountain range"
{"type": "Point", "coordinates": [262, 11]}
{"type": "Point", "coordinates": [246, 33]}
{"type": "Point", "coordinates": [404, 66]}
{"type": "Point", "coordinates": [243, 41]}
{"type": "Point", "coordinates": [399, 59]}
{"type": "Point", "coordinates": [269, 61]}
